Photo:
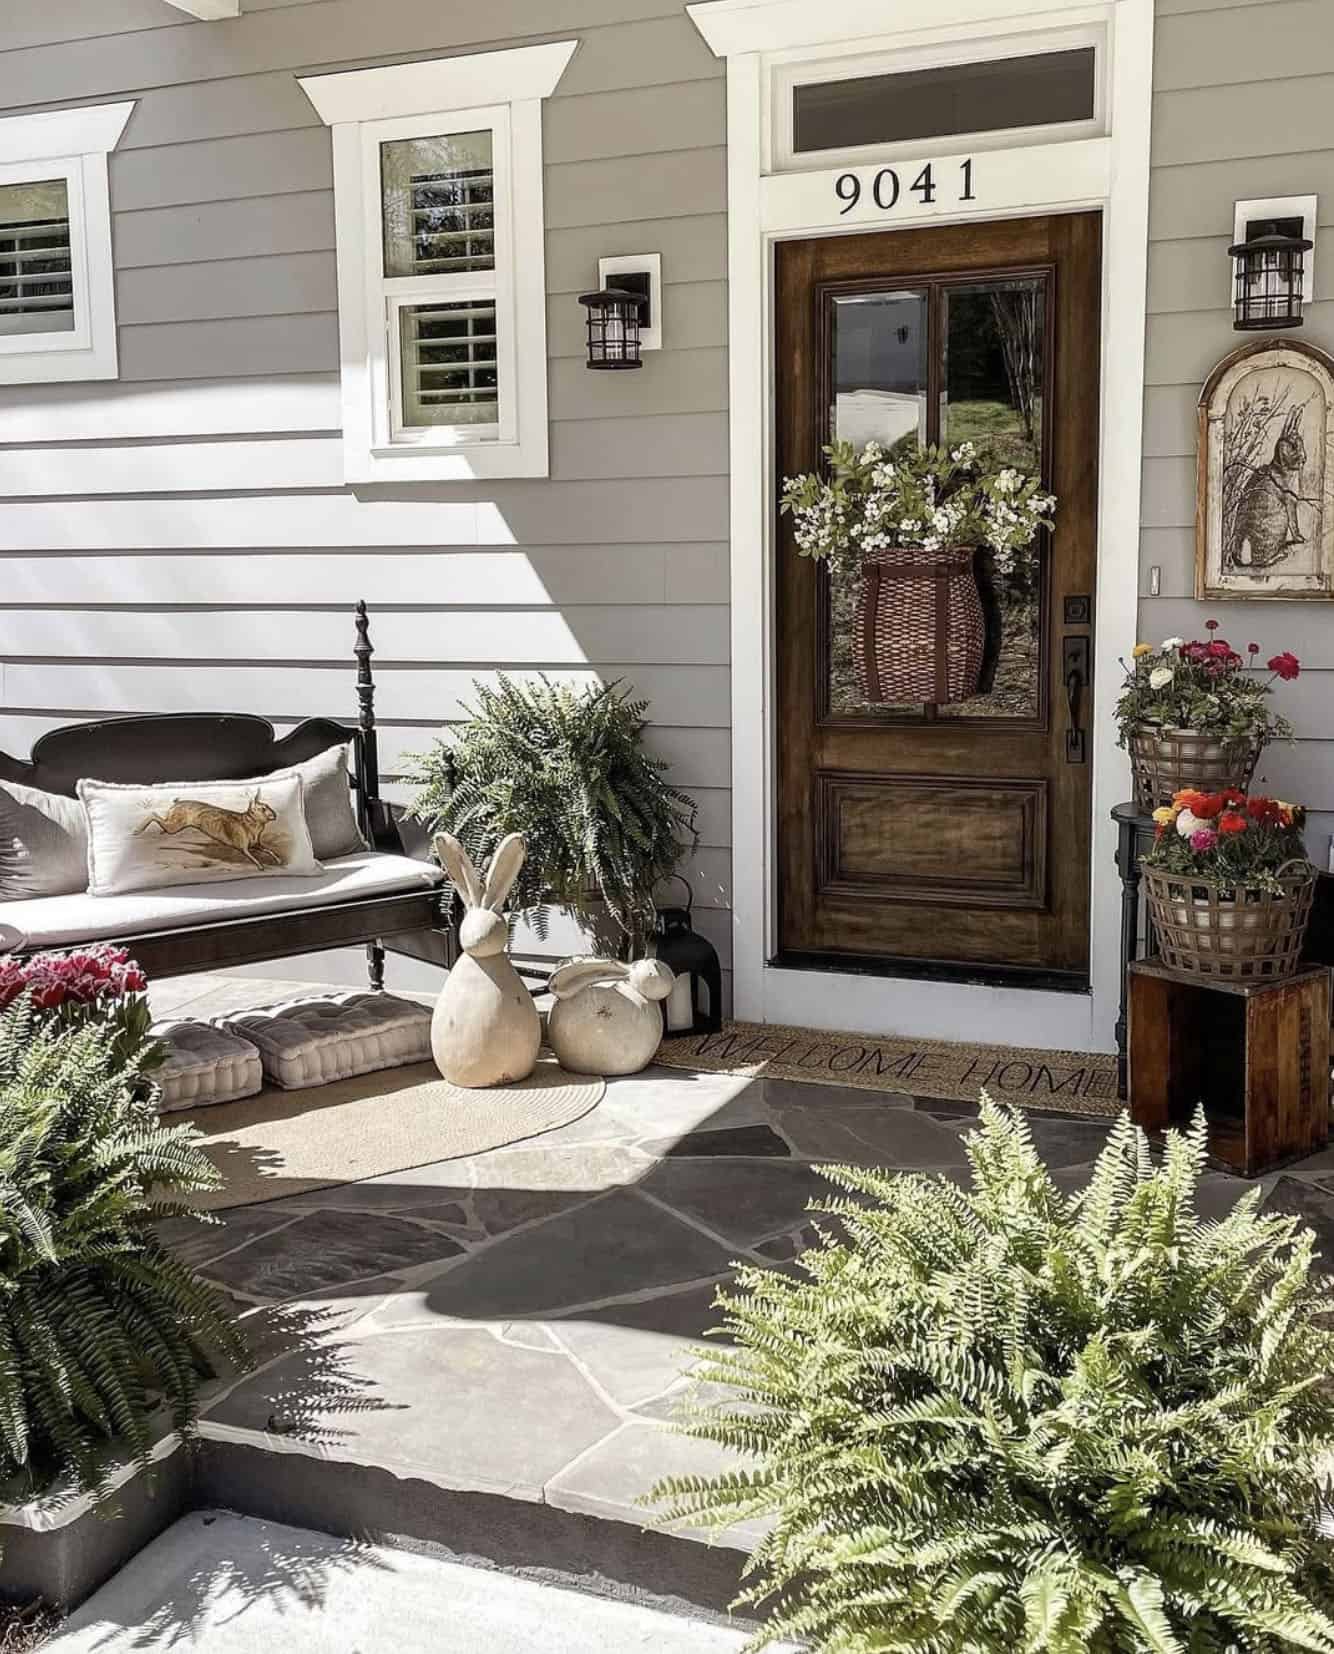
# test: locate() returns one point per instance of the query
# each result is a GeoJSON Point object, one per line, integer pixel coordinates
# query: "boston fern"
{"type": "Point", "coordinates": [569, 771]}
{"type": "Point", "coordinates": [1012, 1419]}
{"type": "Point", "coordinates": [99, 1323]}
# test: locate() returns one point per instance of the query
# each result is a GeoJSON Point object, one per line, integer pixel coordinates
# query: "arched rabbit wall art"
{"type": "Point", "coordinates": [1264, 518]}
{"type": "Point", "coordinates": [485, 1030]}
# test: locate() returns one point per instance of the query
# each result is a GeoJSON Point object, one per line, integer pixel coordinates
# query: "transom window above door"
{"type": "Point", "coordinates": [1042, 88]}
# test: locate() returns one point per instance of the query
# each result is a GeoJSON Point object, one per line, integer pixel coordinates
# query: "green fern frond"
{"type": "Point", "coordinates": [97, 1319]}
{"type": "Point", "coordinates": [1004, 1419]}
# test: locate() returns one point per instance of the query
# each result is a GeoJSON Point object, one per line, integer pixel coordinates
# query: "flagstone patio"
{"type": "Point", "coordinates": [518, 1324]}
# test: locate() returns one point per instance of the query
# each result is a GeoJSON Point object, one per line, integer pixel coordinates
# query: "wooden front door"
{"type": "Point", "coordinates": [949, 831]}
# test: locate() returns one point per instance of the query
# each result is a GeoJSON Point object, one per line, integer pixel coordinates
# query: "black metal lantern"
{"type": "Point", "coordinates": [1267, 289]}
{"type": "Point", "coordinates": [613, 327]}
{"type": "Point", "coordinates": [696, 1002]}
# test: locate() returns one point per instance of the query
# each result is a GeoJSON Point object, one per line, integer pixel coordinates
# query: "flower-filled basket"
{"type": "Point", "coordinates": [1228, 885]}
{"type": "Point", "coordinates": [911, 524]}
{"type": "Point", "coordinates": [1195, 716]}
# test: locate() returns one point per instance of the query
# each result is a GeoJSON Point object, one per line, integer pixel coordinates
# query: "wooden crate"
{"type": "Point", "coordinates": [1255, 1053]}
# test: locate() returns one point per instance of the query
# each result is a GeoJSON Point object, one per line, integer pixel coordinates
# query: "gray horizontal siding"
{"type": "Point", "coordinates": [226, 582]}
{"type": "Point", "coordinates": [1242, 94]}
{"type": "Point", "coordinates": [658, 45]}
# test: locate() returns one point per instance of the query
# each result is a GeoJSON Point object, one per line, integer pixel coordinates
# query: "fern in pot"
{"type": "Point", "coordinates": [106, 1337]}
{"type": "Point", "coordinates": [1010, 1419]}
{"type": "Point", "coordinates": [568, 769]}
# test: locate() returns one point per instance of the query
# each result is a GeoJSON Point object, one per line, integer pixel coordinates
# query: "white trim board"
{"type": "Point", "coordinates": [465, 82]}
{"type": "Point", "coordinates": [1110, 173]}
{"type": "Point", "coordinates": [208, 11]}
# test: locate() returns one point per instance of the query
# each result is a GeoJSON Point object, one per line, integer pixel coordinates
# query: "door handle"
{"type": "Point", "coordinates": [1075, 667]}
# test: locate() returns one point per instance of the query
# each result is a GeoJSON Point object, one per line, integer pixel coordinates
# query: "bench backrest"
{"type": "Point", "coordinates": [172, 746]}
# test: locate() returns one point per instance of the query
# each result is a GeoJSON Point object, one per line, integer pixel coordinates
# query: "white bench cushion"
{"type": "Point", "coordinates": [334, 1036]}
{"type": "Point", "coordinates": [205, 1065]}
{"type": "Point", "coordinates": [58, 921]}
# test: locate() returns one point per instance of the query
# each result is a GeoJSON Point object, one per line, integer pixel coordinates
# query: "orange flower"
{"type": "Point", "coordinates": [1188, 799]}
{"type": "Point", "coordinates": [1231, 822]}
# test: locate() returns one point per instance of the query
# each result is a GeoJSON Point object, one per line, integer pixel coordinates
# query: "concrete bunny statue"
{"type": "Point", "coordinates": [485, 1030]}
{"type": "Point", "coordinates": [607, 1018]}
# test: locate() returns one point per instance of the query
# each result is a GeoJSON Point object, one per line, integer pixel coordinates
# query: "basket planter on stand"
{"type": "Point", "coordinates": [1164, 761]}
{"type": "Point", "coordinates": [919, 633]}
{"type": "Point", "coordinates": [1248, 935]}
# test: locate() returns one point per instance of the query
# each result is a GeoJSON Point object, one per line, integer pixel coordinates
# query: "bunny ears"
{"type": "Point", "coordinates": [649, 977]}
{"type": "Point", "coordinates": [500, 875]}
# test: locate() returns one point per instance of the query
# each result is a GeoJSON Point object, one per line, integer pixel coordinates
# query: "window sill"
{"type": "Point", "coordinates": [416, 464]}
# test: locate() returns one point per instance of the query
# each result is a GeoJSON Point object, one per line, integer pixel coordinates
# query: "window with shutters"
{"type": "Point", "coordinates": [57, 297]}
{"type": "Point", "coordinates": [442, 302]}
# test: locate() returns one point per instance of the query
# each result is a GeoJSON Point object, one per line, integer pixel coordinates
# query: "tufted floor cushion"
{"type": "Point", "coordinates": [205, 1065]}
{"type": "Point", "coordinates": [312, 1041]}
{"type": "Point", "coordinates": [58, 921]}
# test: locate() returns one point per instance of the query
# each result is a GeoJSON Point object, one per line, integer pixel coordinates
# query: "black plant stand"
{"type": "Point", "coordinates": [1134, 834]}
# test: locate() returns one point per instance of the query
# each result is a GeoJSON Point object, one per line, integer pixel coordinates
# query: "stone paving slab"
{"type": "Point", "coordinates": [523, 1320]}
{"type": "Point", "coordinates": [219, 1583]}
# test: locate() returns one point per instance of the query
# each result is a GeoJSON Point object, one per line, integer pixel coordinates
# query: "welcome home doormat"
{"type": "Point", "coordinates": [1071, 1082]}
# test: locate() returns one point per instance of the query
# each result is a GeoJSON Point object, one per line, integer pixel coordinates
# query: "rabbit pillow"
{"type": "Point", "coordinates": [140, 838]}
{"type": "Point", "coordinates": [485, 1030]}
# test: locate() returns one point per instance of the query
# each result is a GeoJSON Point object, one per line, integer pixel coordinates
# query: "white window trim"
{"type": "Point", "coordinates": [366, 107]}
{"type": "Point", "coordinates": [72, 145]}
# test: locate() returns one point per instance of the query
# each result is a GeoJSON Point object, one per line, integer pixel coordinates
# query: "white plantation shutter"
{"type": "Point", "coordinates": [36, 281]}
{"type": "Point", "coordinates": [449, 366]}
{"type": "Point", "coordinates": [440, 257]}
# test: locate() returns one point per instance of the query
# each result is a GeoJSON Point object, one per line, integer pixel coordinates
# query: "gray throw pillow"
{"type": "Point", "coordinates": [328, 799]}
{"type": "Point", "coordinates": [43, 844]}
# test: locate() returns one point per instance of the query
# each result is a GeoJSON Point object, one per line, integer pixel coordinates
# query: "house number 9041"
{"type": "Point", "coordinates": [886, 188]}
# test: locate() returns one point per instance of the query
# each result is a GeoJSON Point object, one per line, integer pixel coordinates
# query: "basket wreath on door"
{"type": "Point", "coordinates": [908, 524]}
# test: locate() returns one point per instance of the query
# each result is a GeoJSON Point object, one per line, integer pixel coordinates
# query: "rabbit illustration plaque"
{"type": "Point", "coordinates": [1264, 513]}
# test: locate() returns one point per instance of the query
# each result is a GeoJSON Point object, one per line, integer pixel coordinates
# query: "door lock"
{"type": "Point", "coordinates": [1075, 671]}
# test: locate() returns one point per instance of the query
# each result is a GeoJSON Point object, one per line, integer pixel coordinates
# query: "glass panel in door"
{"type": "Point", "coordinates": [878, 393]}
{"type": "Point", "coordinates": [992, 378]}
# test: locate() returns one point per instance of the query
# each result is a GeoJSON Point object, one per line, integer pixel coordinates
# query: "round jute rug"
{"type": "Point", "coordinates": [290, 1142]}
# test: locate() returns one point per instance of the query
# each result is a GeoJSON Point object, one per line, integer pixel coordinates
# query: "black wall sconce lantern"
{"type": "Point", "coordinates": [1267, 289]}
{"type": "Point", "coordinates": [696, 1002]}
{"type": "Point", "coordinates": [613, 327]}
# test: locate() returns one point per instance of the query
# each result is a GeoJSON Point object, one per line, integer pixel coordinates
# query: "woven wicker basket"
{"type": "Point", "coordinates": [1248, 936]}
{"type": "Point", "coordinates": [919, 633]}
{"type": "Point", "coordinates": [1166, 760]}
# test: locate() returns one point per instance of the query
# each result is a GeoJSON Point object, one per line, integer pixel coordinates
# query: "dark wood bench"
{"type": "Point", "coordinates": [224, 746]}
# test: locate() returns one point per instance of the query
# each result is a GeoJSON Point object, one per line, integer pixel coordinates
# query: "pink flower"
{"type": "Point", "coordinates": [1203, 838]}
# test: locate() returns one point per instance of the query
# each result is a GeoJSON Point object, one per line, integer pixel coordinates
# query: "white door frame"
{"type": "Point", "coordinates": [1111, 173]}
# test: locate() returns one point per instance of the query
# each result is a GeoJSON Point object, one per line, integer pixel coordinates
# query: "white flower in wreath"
{"type": "Point", "coordinates": [1170, 643]}
{"type": "Point", "coordinates": [1160, 677]}
{"type": "Point", "coordinates": [1188, 823]}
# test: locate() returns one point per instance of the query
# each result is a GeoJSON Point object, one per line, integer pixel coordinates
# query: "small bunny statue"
{"type": "Point", "coordinates": [485, 1030]}
{"type": "Point", "coordinates": [607, 1019]}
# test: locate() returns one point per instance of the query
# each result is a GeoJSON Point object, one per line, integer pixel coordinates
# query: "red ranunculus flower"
{"type": "Point", "coordinates": [1207, 806]}
{"type": "Point", "coordinates": [1232, 795]}
{"type": "Point", "coordinates": [1285, 665]}
{"type": "Point", "coordinates": [1231, 822]}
